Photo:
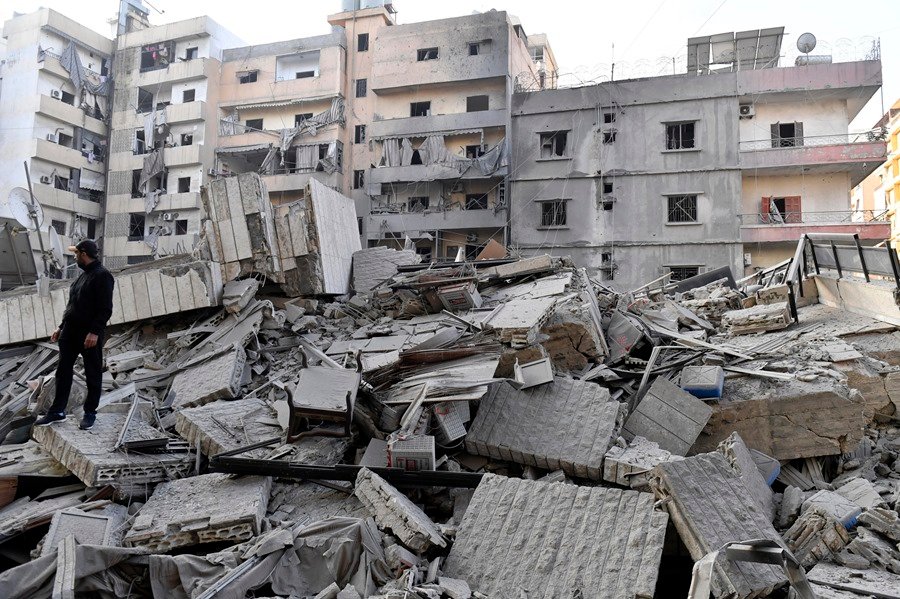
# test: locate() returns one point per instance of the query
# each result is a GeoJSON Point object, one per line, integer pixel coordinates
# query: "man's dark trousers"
{"type": "Point", "coordinates": [70, 345]}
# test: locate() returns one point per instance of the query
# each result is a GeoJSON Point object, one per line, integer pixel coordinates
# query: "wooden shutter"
{"type": "Point", "coordinates": [798, 135]}
{"type": "Point", "coordinates": [776, 135]}
{"type": "Point", "coordinates": [764, 209]}
{"type": "Point", "coordinates": [792, 208]}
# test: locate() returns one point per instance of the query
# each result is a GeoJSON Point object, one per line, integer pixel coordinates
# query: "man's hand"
{"type": "Point", "coordinates": [90, 341]}
{"type": "Point", "coordinates": [55, 336]}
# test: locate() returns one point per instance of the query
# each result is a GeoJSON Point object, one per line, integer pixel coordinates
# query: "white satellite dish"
{"type": "Point", "coordinates": [806, 43]}
{"type": "Point", "coordinates": [24, 210]}
{"type": "Point", "coordinates": [56, 248]}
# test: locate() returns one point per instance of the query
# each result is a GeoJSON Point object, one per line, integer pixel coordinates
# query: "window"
{"type": "Point", "coordinates": [425, 253]}
{"type": "Point", "coordinates": [476, 103]}
{"type": "Point", "coordinates": [553, 144]}
{"type": "Point", "coordinates": [474, 49]}
{"type": "Point", "coordinates": [91, 228]}
{"type": "Point", "coordinates": [609, 117]}
{"type": "Point", "coordinates": [607, 186]}
{"type": "Point", "coordinates": [140, 143]}
{"type": "Point", "coordinates": [452, 250]}
{"type": "Point", "coordinates": [59, 226]}
{"type": "Point", "coordinates": [135, 184]}
{"type": "Point", "coordinates": [680, 273]}
{"type": "Point", "coordinates": [361, 88]}
{"type": "Point", "coordinates": [299, 118]}
{"type": "Point", "coordinates": [607, 266]}
{"type": "Point", "coordinates": [184, 184]}
{"type": "Point", "coordinates": [476, 201]}
{"type": "Point", "coordinates": [138, 259]}
{"type": "Point", "coordinates": [145, 101]}
{"type": "Point", "coordinates": [181, 226]}
{"type": "Point", "coordinates": [553, 213]}
{"type": "Point", "coordinates": [359, 134]}
{"type": "Point", "coordinates": [64, 139]}
{"type": "Point", "coordinates": [609, 137]}
{"type": "Point", "coordinates": [473, 152]}
{"type": "Point", "coordinates": [359, 225]}
{"type": "Point", "coordinates": [60, 182]}
{"type": "Point", "coordinates": [426, 54]}
{"type": "Point", "coordinates": [679, 136]}
{"type": "Point", "coordinates": [418, 204]}
{"type": "Point", "coordinates": [359, 179]}
{"type": "Point", "coordinates": [787, 135]}
{"type": "Point", "coordinates": [419, 108]}
{"type": "Point", "coordinates": [136, 222]}
{"type": "Point", "coordinates": [253, 125]}
{"type": "Point", "coordinates": [248, 77]}
{"type": "Point", "coordinates": [537, 53]}
{"type": "Point", "coordinates": [304, 74]}
{"type": "Point", "coordinates": [362, 42]}
{"type": "Point", "coordinates": [780, 210]}
{"type": "Point", "coordinates": [188, 95]}
{"type": "Point", "coordinates": [67, 97]}
{"type": "Point", "coordinates": [187, 139]}
{"type": "Point", "coordinates": [682, 209]}
{"type": "Point", "coordinates": [190, 53]}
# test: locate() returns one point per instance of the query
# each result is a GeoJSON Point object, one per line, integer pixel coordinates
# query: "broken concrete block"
{"type": "Point", "coordinates": [710, 506]}
{"type": "Point", "coordinates": [629, 466]}
{"type": "Point", "coordinates": [532, 374]}
{"type": "Point", "coordinates": [734, 449]}
{"type": "Point", "coordinates": [815, 536]}
{"type": "Point", "coordinates": [566, 425]}
{"type": "Point", "coordinates": [448, 420]}
{"type": "Point", "coordinates": [296, 503]}
{"type": "Point", "coordinates": [375, 455]}
{"type": "Point", "coordinates": [391, 509]}
{"type": "Point", "coordinates": [372, 266]}
{"type": "Point", "coordinates": [89, 454]}
{"type": "Point", "coordinates": [224, 425]}
{"type": "Point", "coordinates": [201, 509]}
{"type": "Point", "coordinates": [669, 416]}
{"type": "Point", "coordinates": [874, 549]}
{"type": "Point", "coordinates": [759, 318]}
{"type": "Point", "coordinates": [887, 522]}
{"type": "Point", "coordinates": [861, 492]}
{"type": "Point", "coordinates": [126, 361]}
{"type": "Point", "coordinates": [455, 588]}
{"type": "Point", "coordinates": [238, 294]}
{"type": "Point", "coordinates": [529, 538]}
{"type": "Point", "coordinates": [411, 453]}
{"type": "Point", "coordinates": [459, 297]}
{"type": "Point", "coordinates": [867, 583]}
{"type": "Point", "coordinates": [703, 381]}
{"type": "Point", "coordinates": [349, 592]}
{"type": "Point", "coordinates": [216, 378]}
{"type": "Point", "coordinates": [791, 502]}
{"type": "Point", "coordinates": [100, 527]}
{"type": "Point", "coordinates": [838, 506]}
{"type": "Point", "coordinates": [329, 592]}
{"type": "Point", "coordinates": [399, 557]}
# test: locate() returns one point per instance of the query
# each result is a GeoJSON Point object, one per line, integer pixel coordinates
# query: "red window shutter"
{"type": "Point", "coordinates": [792, 207]}
{"type": "Point", "coordinates": [764, 209]}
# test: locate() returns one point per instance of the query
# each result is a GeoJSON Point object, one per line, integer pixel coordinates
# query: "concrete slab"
{"type": "Point", "coordinates": [100, 527]}
{"type": "Point", "coordinates": [371, 266]}
{"type": "Point", "coordinates": [522, 537]}
{"type": "Point", "coordinates": [861, 492]}
{"type": "Point", "coordinates": [224, 425]}
{"type": "Point", "coordinates": [217, 378]}
{"type": "Point", "coordinates": [815, 536]}
{"type": "Point", "coordinates": [740, 458]}
{"type": "Point", "coordinates": [669, 416]}
{"type": "Point", "coordinates": [296, 503]}
{"type": "Point", "coordinates": [201, 509]}
{"type": "Point", "coordinates": [868, 583]}
{"type": "Point", "coordinates": [566, 425]}
{"type": "Point", "coordinates": [629, 466]}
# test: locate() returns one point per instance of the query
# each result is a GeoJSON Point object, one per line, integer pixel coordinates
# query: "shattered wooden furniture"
{"type": "Point", "coordinates": [322, 393]}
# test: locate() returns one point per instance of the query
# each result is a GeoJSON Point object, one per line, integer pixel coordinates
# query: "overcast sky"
{"type": "Point", "coordinates": [641, 36]}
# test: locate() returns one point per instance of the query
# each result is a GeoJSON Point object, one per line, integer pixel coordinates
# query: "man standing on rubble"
{"type": "Point", "coordinates": [81, 332]}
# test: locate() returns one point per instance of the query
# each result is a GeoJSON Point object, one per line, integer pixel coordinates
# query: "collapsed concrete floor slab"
{"type": "Point", "coordinates": [535, 539]}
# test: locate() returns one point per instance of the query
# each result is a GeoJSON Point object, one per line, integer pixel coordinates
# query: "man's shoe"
{"type": "Point", "coordinates": [87, 421]}
{"type": "Point", "coordinates": [50, 418]}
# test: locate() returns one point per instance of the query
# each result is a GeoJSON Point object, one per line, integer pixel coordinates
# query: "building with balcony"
{"type": "Point", "coordinates": [164, 134]}
{"type": "Point", "coordinates": [726, 165]}
{"type": "Point", "coordinates": [56, 124]}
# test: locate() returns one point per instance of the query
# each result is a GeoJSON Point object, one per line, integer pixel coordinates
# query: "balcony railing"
{"type": "Point", "coordinates": [835, 139]}
{"type": "Point", "coordinates": [830, 217]}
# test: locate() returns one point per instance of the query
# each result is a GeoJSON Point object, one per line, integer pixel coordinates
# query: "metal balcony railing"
{"type": "Point", "coordinates": [836, 139]}
{"type": "Point", "coordinates": [830, 217]}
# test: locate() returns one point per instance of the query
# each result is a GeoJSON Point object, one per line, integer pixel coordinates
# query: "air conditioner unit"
{"type": "Point", "coordinates": [167, 216]}
{"type": "Point", "coordinates": [51, 137]}
{"type": "Point", "coordinates": [54, 93]}
{"type": "Point", "coordinates": [746, 111]}
{"type": "Point", "coordinates": [45, 179]}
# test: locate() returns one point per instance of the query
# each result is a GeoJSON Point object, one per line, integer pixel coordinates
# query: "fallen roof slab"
{"type": "Point", "coordinates": [668, 415]}
{"type": "Point", "coordinates": [556, 540]}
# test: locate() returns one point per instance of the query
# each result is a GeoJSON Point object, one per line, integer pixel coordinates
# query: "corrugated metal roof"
{"type": "Point", "coordinates": [244, 149]}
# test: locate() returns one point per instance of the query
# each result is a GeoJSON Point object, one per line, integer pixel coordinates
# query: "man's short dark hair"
{"type": "Point", "coordinates": [89, 247]}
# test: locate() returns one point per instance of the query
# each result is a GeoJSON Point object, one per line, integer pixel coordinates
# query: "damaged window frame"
{"type": "Point", "coordinates": [480, 47]}
{"type": "Point", "coordinates": [609, 117]}
{"type": "Point", "coordinates": [554, 214]}
{"type": "Point", "coordinates": [553, 145]}
{"type": "Point", "coordinates": [417, 203]}
{"type": "Point", "coordinates": [362, 42]}
{"type": "Point", "coordinates": [477, 201]}
{"type": "Point", "coordinates": [299, 118]}
{"type": "Point", "coordinates": [251, 125]}
{"type": "Point", "coordinates": [478, 103]}
{"type": "Point", "coordinates": [137, 226]}
{"type": "Point", "coordinates": [681, 136]}
{"type": "Point", "coordinates": [361, 87]}
{"type": "Point", "coordinates": [682, 209]}
{"type": "Point", "coordinates": [787, 135]}
{"type": "Point", "coordinates": [609, 136]}
{"type": "Point", "coordinates": [474, 151]}
{"type": "Point", "coordinates": [245, 77]}
{"type": "Point", "coordinates": [359, 134]}
{"type": "Point", "coordinates": [425, 54]}
{"type": "Point", "coordinates": [154, 57]}
{"type": "Point", "coordinates": [359, 179]}
{"type": "Point", "coordinates": [682, 272]}
{"type": "Point", "coordinates": [422, 108]}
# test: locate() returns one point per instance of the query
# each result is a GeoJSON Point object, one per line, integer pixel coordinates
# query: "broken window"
{"type": "Point", "coordinates": [419, 108]}
{"type": "Point", "coordinates": [248, 77]}
{"type": "Point", "coordinates": [140, 143]}
{"type": "Point", "coordinates": [682, 209]}
{"type": "Point", "coordinates": [425, 253]}
{"type": "Point", "coordinates": [191, 53]}
{"type": "Point", "coordinates": [680, 273]}
{"type": "Point", "coordinates": [679, 136]}
{"type": "Point", "coordinates": [304, 74]}
{"type": "Point", "coordinates": [476, 201]}
{"type": "Point", "coordinates": [426, 54]}
{"type": "Point", "coordinates": [361, 88]}
{"type": "Point", "coordinates": [359, 134]}
{"type": "Point", "coordinates": [136, 223]}
{"type": "Point", "coordinates": [474, 151]}
{"type": "Point", "coordinates": [181, 226]}
{"type": "Point", "coordinates": [476, 103]}
{"type": "Point", "coordinates": [135, 184]}
{"type": "Point", "coordinates": [299, 118]}
{"type": "Point", "coordinates": [145, 101]}
{"type": "Point", "coordinates": [91, 228]}
{"type": "Point", "coordinates": [359, 179]}
{"type": "Point", "coordinates": [59, 226]}
{"type": "Point", "coordinates": [418, 204]}
{"type": "Point", "coordinates": [60, 182]}
{"type": "Point", "coordinates": [607, 266]}
{"type": "Point", "coordinates": [184, 184]}
{"type": "Point", "coordinates": [553, 144]}
{"type": "Point", "coordinates": [64, 139]}
{"type": "Point", "coordinates": [537, 53]}
{"type": "Point", "coordinates": [609, 137]}
{"type": "Point", "coordinates": [787, 135]}
{"type": "Point", "coordinates": [474, 49]}
{"type": "Point", "coordinates": [253, 125]}
{"type": "Point", "coordinates": [188, 95]}
{"type": "Point", "coordinates": [67, 97]}
{"type": "Point", "coordinates": [362, 42]}
{"type": "Point", "coordinates": [553, 213]}
{"type": "Point", "coordinates": [187, 139]}
{"type": "Point", "coordinates": [607, 186]}
{"type": "Point", "coordinates": [609, 117]}
{"type": "Point", "coordinates": [779, 210]}
{"type": "Point", "coordinates": [157, 56]}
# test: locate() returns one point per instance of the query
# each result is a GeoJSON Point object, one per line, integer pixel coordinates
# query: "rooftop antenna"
{"type": "Point", "coordinates": [806, 43]}
{"type": "Point", "coordinates": [28, 212]}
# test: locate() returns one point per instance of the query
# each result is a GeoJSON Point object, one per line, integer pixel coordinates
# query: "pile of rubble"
{"type": "Point", "coordinates": [498, 428]}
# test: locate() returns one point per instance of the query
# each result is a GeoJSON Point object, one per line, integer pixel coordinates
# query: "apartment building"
{"type": "Point", "coordinates": [875, 199]}
{"type": "Point", "coordinates": [164, 136]}
{"type": "Point", "coordinates": [54, 104]}
{"type": "Point", "coordinates": [726, 165]}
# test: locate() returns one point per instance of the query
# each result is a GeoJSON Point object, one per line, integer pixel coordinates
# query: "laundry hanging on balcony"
{"type": "Point", "coordinates": [154, 164]}
{"type": "Point", "coordinates": [494, 159]}
{"type": "Point", "coordinates": [70, 61]}
{"type": "Point", "coordinates": [335, 114]}
{"type": "Point", "coordinates": [307, 158]}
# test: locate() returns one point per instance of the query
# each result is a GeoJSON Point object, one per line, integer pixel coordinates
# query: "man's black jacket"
{"type": "Point", "coordinates": [90, 301]}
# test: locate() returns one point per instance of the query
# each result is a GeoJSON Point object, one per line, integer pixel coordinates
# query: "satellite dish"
{"type": "Point", "coordinates": [806, 43]}
{"type": "Point", "coordinates": [56, 248]}
{"type": "Point", "coordinates": [24, 210]}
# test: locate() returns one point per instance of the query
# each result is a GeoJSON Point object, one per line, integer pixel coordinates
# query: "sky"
{"type": "Point", "coordinates": [640, 36]}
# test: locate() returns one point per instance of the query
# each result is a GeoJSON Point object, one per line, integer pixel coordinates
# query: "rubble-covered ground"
{"type": "Point", "coordinates": [505, 428]}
